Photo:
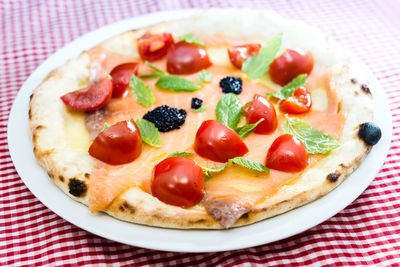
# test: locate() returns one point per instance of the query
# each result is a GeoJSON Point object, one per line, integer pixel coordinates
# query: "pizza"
{"type": "Point", "coordinates": [215, 121]}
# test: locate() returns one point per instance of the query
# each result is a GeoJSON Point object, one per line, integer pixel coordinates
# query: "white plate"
{"type": "Point", "coordinates": [273, 229]}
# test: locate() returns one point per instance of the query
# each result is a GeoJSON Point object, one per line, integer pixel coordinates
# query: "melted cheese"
{"type": "Point", "coordinates": [76, 134]}
{"type": "Point", "coordinates": [219, 56]}
{"type": "Point", "coordinates": [319, 98]}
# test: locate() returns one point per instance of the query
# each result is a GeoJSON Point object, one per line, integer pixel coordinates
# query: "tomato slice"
{"type": "Point", "coordinates": [154, 46]}
{"type": "Point", "coordinates": [121, 75]}
{"type": "Point", "coordinates": [90, 98]}
{"type": "Point", "coordinates": [119, 144]}
{"type": "Point", "coordinates": [187, 58]}
{"type": "Point", "coordinates": [240, 53]}
{"type": "Point", "coordinates": [218, 142]}
{"type": "Point", "coordinates": [290, 64]}
{"type": "Point", "coordinates": [298, 102]}
{"type": "Point", "coordinates": [178, 181]}
{"type": "Point", "coordinates": [261, 108]}
{"type": "Point", "coordinates": [287, 153]}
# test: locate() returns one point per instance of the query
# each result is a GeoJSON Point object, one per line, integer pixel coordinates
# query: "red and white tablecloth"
{"type": "Point", "coordinates": [366, 233]}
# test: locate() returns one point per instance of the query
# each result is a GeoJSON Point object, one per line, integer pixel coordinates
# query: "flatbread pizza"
{"type": "Point", "coordinates": [215, 121]}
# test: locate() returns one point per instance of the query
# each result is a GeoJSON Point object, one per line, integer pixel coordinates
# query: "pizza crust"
{"type": "Point", "coordinates": [63, 165]}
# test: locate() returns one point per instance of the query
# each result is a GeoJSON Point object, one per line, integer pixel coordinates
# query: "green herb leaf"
{"type": "Point", "coordinates": [190, 38]}
{"type": "Point", "coordinates": [179, 154]}
{"type": "Point", "coordinates": [149, 132]}
{"type": "Point", "coordinates": [177, 84]}
{"type": "Point", "coordinates": [229, 110]}
{"type": "Point", "coordinates": [249, 164]}
{"type": "Point", "coordinates": [208, 171]}
{"type": "Point", "coordinates": [155, 74]}
{"type": "Point", "coordinates": [142, 92]}
{"type": "Point", "coordinates": [247, 129]}
{"type": "Point", "coordinates": [289, 88]}
{"type": "Point", "coordinates": [316, 142]}
{"type": "Point", "coordinates": [105, 126]}
{"type": "Point", "coordinates": [205, 76]}
{"type": "Point", "coordinates": [255, 67]}
{"type": "Point", "coordinates": [200, 109]}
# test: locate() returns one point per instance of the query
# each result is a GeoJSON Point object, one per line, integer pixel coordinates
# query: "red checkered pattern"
{"type": "Point", "coordinates": [366, 233]}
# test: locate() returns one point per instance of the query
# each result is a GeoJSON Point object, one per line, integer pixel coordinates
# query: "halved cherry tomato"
{"type": "Point", "coordinates": [121, 75]}
{"type": "Point", "coordinates": [119, 144]}
{"type": "Point", "coordinates": [218, 142]}
{"type": "Point", "coordinates": [261, 108]}
{"type": "Point", "coordinates": [240, 53]}
{"type": "Point", "coordinates": [287, 153]}
{"type": "Point", "coordinates": [187, 58]}
{"type": "Point", "coordinates": [90, 98]}
{"type": "Point", "coordinates": [154, 46]}
{"type": "Point", "coordinates": [178, 181]}
{"type": "Point", "coordinates": [290, 64]}
{"type": "Point", "coordinates": [298, 102]}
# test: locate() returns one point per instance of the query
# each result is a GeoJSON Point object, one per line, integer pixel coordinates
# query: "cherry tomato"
{"type": "Point", "coordinates": [178, 181]}
{"type": "Point", "coordinates": [119, 144]}
{"type": "Point", "coordinates": [121, 75]}
{"type": "Point", "coordinates": [298, 102]}
{"type": "Point", "coordinates": [240, 53]}
{"type": "Point", "coordinates": [261, 108]}
{"type": "Point", "coordinates": [218, 142]}
{"type": "Point", "coordinates": [187, 58]}
{"type": "Point", "coordinates": [154, 46]}
{"type": "Point", "coordinates": [287, 153]}
{"type": "Point", "coordinates": [90, 98]}
{"type": "Point", "coordinates": [290, 64]}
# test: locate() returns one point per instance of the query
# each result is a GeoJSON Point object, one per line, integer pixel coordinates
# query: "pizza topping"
{"type": "Point", "coordinates": [187, 58]}
{"type": "Point", "coordinates": [200, 109]}
{"type": "Point", "coordinates": [121, 75]}
{"type": "Point", "coordinates": [179, 154]}
{"type": "Point", "coordinates": [208, 171]}
{"type": "Point", "coordinates": [261, 108]}
{"type": "Point", "coordinates": [231, 84]}
{"type": "Point", "coordinates": [105, 126]}
{"type": "Point", "coordinates": [149, 132]}
{"type": "Point", "coordinates": [177, 84]}
{"type": "Point", "coordinates": [142, 92]}
{"type": "Point", "coordinates": [77, 187]}
{"type": "Point", "coordinates": [229, 110]}
{"type": "Point", "coordinates": [196, 103]}
{"type": "Point", "coordinates": [256, 66]}
{"type": "Point", "coordinates": [370, 133]}
{"type": "Point", "coordinates": [94, 121]}
{"type": "Point", "coordinates": [316, 142]}
{"type": "Point", "coordinates": [287, 153]}
{"type": "Point", "coordinates": [290, 64]}
{"type": "Point", "coordinates": [90, 98]}
{"type": "Point", "coordinates": [297, 103]}
{"type": "Point", "coordinates": [119, 144]}
{"type": "Point", "coordinates": [166, 118]}
{"type": "Point", "coordinates": [240, 53]}
{"type": "Point", "coordinates": [205, 76]}
{"type": "Point", "coordinates": [154, 46]}
{"type": "Point", "coordinates": [247, 129]}
{"type": "Point", "coordinates": [217, 142]}
{"type": "Point", "coordinates": [289, 88]}
{"type": "Point", "coordinates": [178, 181]}
{"type": "Point", "coordinates": [190, 38]}
{"type": "Point", "coordinates": [157, 73]}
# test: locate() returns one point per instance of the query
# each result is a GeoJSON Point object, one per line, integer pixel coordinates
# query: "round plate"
{"type": "Point", "coordinates": [273, 229]}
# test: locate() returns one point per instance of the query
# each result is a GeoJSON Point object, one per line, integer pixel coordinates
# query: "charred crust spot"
{"type": "Point", "coordinates": [339, 107]}
{"type": "Point", "coordinates": [245, 216]}
{"type": "Point", "coordinates": [365, 88]}
{"type": "Point", "coordinates": [197, 221]}
{"type": "Point", "coordinates": [61, 178]}
{"type": "Point", "coordinates": [77, 188]}
{"type": "Point", "coordinates": [356, 93]}
{"type": "Point", "coordinates": [30, 114]}
{"type": "Point", "coordinates": [87, 175]}
{"type": "Point", "coordinates": [156, 216]}
{"type": "Point", "coordinates": [353, 80]}
{"type": "Point", "coordinates": [121, 208]}
{"type": "Point", "coordinates": [333, 177]}
{"type": "Point", "coordinates": [50, 175]}
{"type": "Point", "coordinates": [370, 133]}
{"type": "Point", "coordinates": [39, 127]}
{"type": "Point", "coordinates": [30, 97]}
{"type": "Point", "coordinates": [128, 207]}
{"type": "Point", "coordinates": [341, 165]}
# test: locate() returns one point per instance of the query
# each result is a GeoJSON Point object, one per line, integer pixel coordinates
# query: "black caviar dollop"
{"type": "Point", "coordinates": [231, 84]}
{"type": "Point", "coordinates": [166, 118]}
{"type": "Point", "coordinates": [370, 133]}
{"type": "Point", "coordinates": [196, 102]}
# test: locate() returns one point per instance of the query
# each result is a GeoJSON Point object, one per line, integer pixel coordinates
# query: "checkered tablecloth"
{"type": "Point", "coordinates": [366, 233]}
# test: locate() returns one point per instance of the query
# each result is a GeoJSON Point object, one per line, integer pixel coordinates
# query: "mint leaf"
{"type": "Point", "coordinates": [177, 84]}
{"type": "Point", "coordinates": [208, 171]}
{"type": "Point", "coordinates": [249, 164]}
{"type": "Point", "coordinates": [200, 109]}
{"type": "Point", "coordinates": [289, 88]}
{"type": "Point", "coordinates": [205, 76]}
{"type": "Point", "coordinates": [255, 67]}
{"type": "Point", "coordinates": [105, 126]}
{"type": "Point", "coordinates": [179, 154]}
{"type": "Point", "coordinates": [316, 142]}
{"type": "Point", "coordinates": [190, 38]}
{"type": "Point", "coordinates": [229, 110]}
{"type": "Point", "coordinates": [142, 92]}
{"type": "Point", "coordinates": [155, 74]}
{"type": "Point", "coordinates": [244, 131]}
{"type": "Point", "coordinates": [149, 132]}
